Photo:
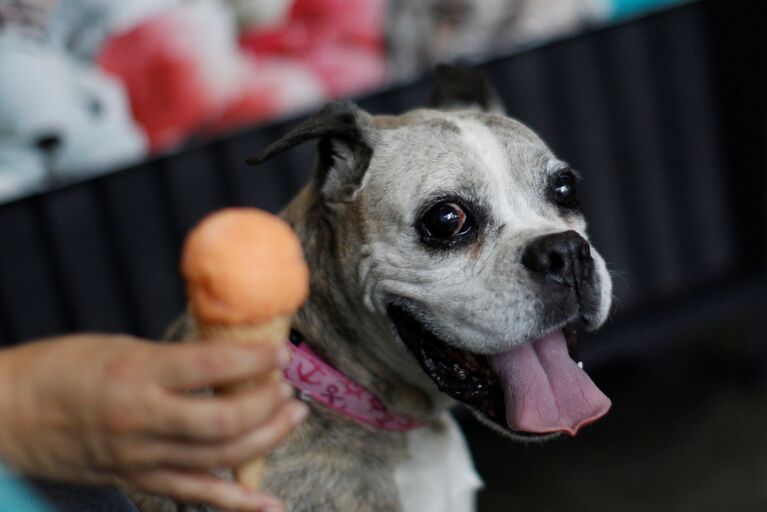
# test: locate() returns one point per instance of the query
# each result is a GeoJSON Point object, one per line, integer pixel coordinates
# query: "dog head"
{"type": "Point", "coordinates": [460, 247]}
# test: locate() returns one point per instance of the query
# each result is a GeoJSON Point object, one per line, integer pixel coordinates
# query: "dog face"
{"type": "Point", "coordinates": [473, 226]}
{"type": "Point", "coordinates": [463, 245]}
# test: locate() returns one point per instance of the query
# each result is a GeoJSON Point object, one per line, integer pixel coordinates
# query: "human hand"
{"type": "Point", "coordinates": [100, 409]}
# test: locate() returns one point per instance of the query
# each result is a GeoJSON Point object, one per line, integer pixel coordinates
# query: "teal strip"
{"type": "Point", "coordinates": [16, 497]}
{"type": "Point", "coordinates": [623, 8]}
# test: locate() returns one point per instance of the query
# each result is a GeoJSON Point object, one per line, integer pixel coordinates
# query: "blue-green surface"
{"type": "Point", "coordinates": [16, 497]}
{"type": "Point", "coordinates": [621, 8]}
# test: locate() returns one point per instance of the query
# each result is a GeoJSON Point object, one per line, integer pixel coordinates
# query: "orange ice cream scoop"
{"type": "Point", "coordinates": [244, 266]}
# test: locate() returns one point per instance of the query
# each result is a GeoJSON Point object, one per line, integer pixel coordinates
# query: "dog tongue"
{"type": "Point", "coordinates": [545, 390]}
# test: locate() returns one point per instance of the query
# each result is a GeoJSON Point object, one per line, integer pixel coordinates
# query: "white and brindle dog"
{"type": "Point", "coordinates": [449, 262]}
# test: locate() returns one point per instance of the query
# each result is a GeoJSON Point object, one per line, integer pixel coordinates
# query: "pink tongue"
{"type": "Point", "coordinates": [545, 390]}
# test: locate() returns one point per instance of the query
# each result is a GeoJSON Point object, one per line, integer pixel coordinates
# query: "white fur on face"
{"type": "Point", "coordinates": [503, 185]}
{"type": "Point", "coordinates": [481, 300]}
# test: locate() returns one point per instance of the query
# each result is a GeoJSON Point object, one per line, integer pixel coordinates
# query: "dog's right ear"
{"type": "Point", "coordinates": [457, 88]}
{"type": "Point", "coordinates": [344, 148]}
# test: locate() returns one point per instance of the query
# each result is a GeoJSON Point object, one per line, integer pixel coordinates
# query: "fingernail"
{"type": "Point", "coordinates": [270, 504]}
{"type": "Point", "coordinates": [299, 413]}
{"type": "Point", "coordinates": [286, 390]}
{"type": "Point", "coordinates": [265, 503]}
{"type": "Point", "coordinates": [284, 356]}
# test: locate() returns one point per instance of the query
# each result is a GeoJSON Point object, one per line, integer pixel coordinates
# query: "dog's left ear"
{"type": "Point", "coordinates": [458, 88]}
{"type": "Point", "coordinates": [344, 148]}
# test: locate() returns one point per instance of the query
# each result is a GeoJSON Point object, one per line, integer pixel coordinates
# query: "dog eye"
{"type": "Point", "coordinates": [565, 190]}
{"type": "Point", "coordinates": [445, 221]}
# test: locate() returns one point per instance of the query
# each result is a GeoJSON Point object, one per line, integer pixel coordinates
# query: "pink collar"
{"type": "Point", "coordinates": [318, 381]}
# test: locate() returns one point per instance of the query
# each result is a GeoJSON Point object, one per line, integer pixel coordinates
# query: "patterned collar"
{"type": "Point", "coordinates": [316, 380]}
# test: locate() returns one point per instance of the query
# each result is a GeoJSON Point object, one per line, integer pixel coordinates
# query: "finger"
{"type": "Point", "coordinates": [205, 488]}
{"type": "Point", "coordinates": [199, 365]}
{"type": "Point", "coordinates": [213, 418]}
{"type": "Point", "coordinates": [250, 445]}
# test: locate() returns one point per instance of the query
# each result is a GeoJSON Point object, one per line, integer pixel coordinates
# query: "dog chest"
{"type": "Point", "coordinates": [438, 475]}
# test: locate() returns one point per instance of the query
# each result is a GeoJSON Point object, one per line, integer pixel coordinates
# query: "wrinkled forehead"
{"type": "Point", "coordinates": [425, 154]}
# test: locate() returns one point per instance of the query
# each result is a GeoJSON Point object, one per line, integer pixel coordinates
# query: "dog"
{"type": "Point", "coordinates": [449, 263]}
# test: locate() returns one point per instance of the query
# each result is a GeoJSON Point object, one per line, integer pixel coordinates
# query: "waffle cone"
{"type": "Point", "coordinates": [274, 332]}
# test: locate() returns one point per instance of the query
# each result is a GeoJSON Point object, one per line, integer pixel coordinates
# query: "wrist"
{"type": "Point", "coordinates": [9, 445]}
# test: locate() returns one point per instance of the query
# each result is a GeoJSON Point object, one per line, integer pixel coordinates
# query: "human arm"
{"type": "Point", "coordinates": [105, 409]}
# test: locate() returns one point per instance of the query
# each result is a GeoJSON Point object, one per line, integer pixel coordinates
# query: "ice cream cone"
{"type": "Point", "coordinates": [275, 331]}
{"type": "Point", "coordinates": [245, 276]}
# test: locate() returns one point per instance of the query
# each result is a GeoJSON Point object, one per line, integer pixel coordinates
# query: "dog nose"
{"type": "Point", "coordinates": [564, 258]}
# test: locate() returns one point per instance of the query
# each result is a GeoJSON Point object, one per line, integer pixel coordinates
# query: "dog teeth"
{"type": "Point", "coordinates": [580, 365]}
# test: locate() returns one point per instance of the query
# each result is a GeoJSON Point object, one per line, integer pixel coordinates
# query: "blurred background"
{"type": "Point", "coordinates": [123, 123]}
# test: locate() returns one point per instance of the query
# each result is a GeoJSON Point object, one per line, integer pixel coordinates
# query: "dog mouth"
{"type": "Point", "coordinates": [534, 390]}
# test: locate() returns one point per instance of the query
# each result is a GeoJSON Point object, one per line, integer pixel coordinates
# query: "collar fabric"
{"type": "Point", "coordinates": [318, 381]}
